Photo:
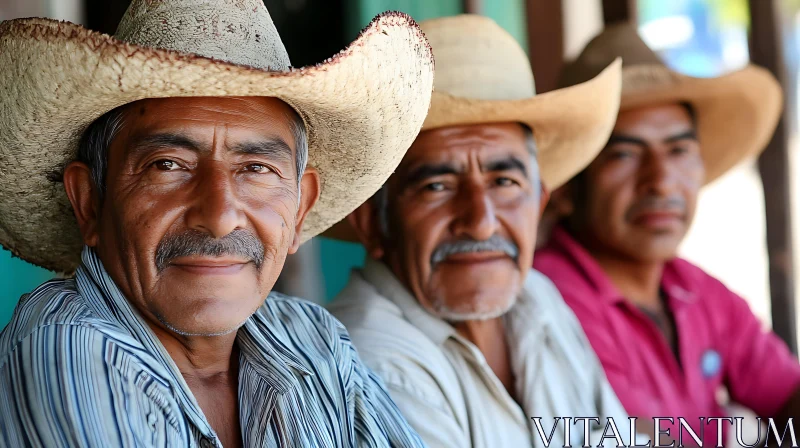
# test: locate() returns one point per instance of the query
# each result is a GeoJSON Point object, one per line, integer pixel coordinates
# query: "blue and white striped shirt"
{"type": "Point", "coordinates": [80, 368]}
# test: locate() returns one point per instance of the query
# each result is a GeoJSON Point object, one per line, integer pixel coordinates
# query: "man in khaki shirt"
{"type": "Point", "coordinates": [472, 344]}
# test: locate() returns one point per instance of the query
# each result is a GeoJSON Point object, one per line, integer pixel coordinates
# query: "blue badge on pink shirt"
{"type": "Point", "coordinates": [710, 363]}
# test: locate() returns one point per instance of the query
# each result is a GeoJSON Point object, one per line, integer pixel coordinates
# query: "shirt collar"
{"type": "Point", "coordinates": [563, 242]}
{"type": "Point", "coordinates": [678, 288]}
{"type": "Point", "coordinates": [260, 348]}
{"type": "Point", "coordinates": [387, 285]}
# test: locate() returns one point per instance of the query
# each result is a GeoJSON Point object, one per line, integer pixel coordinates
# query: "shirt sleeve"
{"type": "Point", "coordinates": [760, 371]}
{"type": "Point", "coordinates": [377, 420]}
{"type": "Point", "coordinates": [61, 387]}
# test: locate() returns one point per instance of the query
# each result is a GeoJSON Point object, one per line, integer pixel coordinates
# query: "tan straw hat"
{"type": "Point", "coordinates": [484, 76]}
{"type": "Point", "coordinates": [362, 108]}
{"type": "Point", "coordinates": [736, 113]}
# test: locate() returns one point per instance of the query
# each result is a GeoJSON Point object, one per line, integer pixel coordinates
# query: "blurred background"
{"type": "Point", "coordinates": [744, 232]}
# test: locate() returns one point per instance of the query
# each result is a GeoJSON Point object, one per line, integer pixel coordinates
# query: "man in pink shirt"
{"type": "Point", "coordinates": [669, 335]}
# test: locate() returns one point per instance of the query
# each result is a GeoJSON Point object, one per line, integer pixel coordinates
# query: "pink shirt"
{"type": "Point", "coordinates": [720, 342]}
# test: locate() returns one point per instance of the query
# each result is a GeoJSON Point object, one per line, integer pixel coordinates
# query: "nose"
{"type": "Point", "coordinates": [216, 209]}
{"type": "Point", "coordinates": [657, 177]}
{"type": "Point", "coordinates": [476, 215]}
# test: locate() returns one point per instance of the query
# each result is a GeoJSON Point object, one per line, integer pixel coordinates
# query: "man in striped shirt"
{"type": "Point", "coordinates": [186, 209]}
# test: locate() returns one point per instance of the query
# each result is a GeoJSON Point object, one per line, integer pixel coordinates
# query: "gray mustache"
{"type": "Point", "coordinates": [494, 244]}
{"type": "Point", "coordinates": [239, 243]}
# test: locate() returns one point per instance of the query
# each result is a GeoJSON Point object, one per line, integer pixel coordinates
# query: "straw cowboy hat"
{"type": "Point", "coordinates": [362, 108]}
{"type": "Point", "coordinates": [484, 76]}
{"type": "Point", "coordinates": [736, 113]}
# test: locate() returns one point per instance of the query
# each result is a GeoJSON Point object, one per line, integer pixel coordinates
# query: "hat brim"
{"type": "Point", "coordinates": [570, 125]}
{"type": "Point", "coordinates": [362, 108]}
{"type": "Point", "coordinates": [736, 113]}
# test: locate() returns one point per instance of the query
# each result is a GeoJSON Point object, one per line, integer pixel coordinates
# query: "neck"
{"type": "Point", "coordinates": [639, 282]}
{"type": "Point", "coordinates": [490, 338]}
{"type": "Point", "coordinates": [201, 357]}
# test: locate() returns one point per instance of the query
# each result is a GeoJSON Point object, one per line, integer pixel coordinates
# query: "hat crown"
{"type": "Point", "coordinates": [477, 59]}
{"type": "Point", "coordinates": [618, 40]}
{"type": "Point", "coordinates": [236, 31]}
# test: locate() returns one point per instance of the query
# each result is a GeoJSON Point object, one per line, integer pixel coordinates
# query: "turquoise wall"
{"type": "Point", "coordinates": [17, 278]}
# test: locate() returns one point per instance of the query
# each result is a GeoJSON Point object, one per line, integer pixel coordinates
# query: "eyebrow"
{"type": "Point", "coordinates": [621, 138]}
{"type": "Point", "coordinates": [510, 163]}
{"type": "Point", "coordinates": [427, 171]}
{"type": "Point", "coordinates": [688, 135]}
{"type": "Point", "coordinates": [273, 147]}
{"type": "Point", "coordinates": [163, 140]}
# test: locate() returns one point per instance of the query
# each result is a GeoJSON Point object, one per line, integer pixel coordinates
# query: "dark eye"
{"type": "Point", "coordinates": [258, 168]}
{"type": "Point", "coordinates": [505, 182]}
{"type": "Point", "coordinates": [620, 154]}
{"type": "Point", "coordinates": [679, 150]}
{"type": "Point", "coordinates": [434, 186]}
{"type": "Point", "coordinates": [165, 165]}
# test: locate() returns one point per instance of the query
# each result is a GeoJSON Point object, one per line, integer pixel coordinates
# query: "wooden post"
{"type": "Point", "coordinates": [619, 11]}
{"type": "Point", "coordinates": [766, 47]}
{"type": "Point", "coordinates": [473, 6]}
{"type": "Point", "coordinates": [545, 42]}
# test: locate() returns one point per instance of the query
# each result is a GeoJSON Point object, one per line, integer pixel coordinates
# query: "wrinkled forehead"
{"type": "Point", "coordinates": [247, 115]}
{"type": "Point", "coordinates": [460, 144]}
{"type": "Point", "coordinates": [655, 123]}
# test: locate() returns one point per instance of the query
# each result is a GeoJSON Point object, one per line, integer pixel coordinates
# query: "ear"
{"type": "Point", "coordinates": [544, 198]}
{"type": "Point", "coordinates": [364, 221]}
{"type": "Point", "coordinates": [310, 188]}
{"type": "Point", "coordinates": [84, 199]}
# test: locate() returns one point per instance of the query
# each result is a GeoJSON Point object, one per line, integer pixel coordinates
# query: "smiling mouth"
{"type": "Point", "coordinates": [658, 218]}
{"type": "Point", "coordinates": [475, 257]}
{"type": "Point", "coordinates": [209, 266]}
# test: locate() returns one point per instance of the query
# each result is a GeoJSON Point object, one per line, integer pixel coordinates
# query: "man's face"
{"type": "Point", "coordinates": [637, 199]}
{"type": "Point", "coordinates": [462, 212]}
{"type": "Point", "coordinates": [201, 209]}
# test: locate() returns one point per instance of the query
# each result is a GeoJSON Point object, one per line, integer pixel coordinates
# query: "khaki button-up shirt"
{"type": "Point", "coordinates": [446, 389]}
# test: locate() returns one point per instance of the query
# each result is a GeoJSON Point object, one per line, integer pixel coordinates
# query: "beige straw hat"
{"type": "Point", "coordinates": [484, 76]}
{"type": "Point", "coordinates": [736, 113]}
{"type": "Point", "coordinates": [363, 107]}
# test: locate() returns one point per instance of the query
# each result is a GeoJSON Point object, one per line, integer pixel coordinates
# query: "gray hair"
{"type": "Point", "coordinates": [96, 141]}
{"type": "Point", "coordinates": [381, 199]}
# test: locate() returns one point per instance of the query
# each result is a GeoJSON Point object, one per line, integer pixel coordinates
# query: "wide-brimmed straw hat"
{"type": "Point", "coordinates": [484, 76]}
{"type": "Point", "coordinates": [362, 108]}
{"type": "Point", "coordinates": [736, 113]}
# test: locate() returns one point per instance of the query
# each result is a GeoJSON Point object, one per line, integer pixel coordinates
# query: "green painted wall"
{"type": "Point", "coordinates": [510, 14]}
{"type": "Point", "coordinates": [17, 278]}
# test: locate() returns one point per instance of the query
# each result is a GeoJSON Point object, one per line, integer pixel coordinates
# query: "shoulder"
{"type": "Point", "coordinates": [400, 353]}
{"type": "Point", "coordinates": [56, 347]}
{"type": "Point", "coordinates": [56, 308]}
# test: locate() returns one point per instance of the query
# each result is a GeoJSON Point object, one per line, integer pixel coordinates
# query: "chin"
{"type": "Point", "coordinates": [207, 317]}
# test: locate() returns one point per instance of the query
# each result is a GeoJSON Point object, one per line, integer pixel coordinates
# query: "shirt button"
{"type": "Point", "coordinates": [151, 420]}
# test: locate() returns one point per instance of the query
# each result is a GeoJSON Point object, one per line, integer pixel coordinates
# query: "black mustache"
{"type": "Point", "coordinates": [239, 243]}
{"type": "Point", "coordinates": [658, 203]}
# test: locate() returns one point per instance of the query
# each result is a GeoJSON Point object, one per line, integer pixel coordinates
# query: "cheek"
{"type": "Point", "coordinates": [273, 215]}
{"type": "Point", "coordinates": [421, 229]}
